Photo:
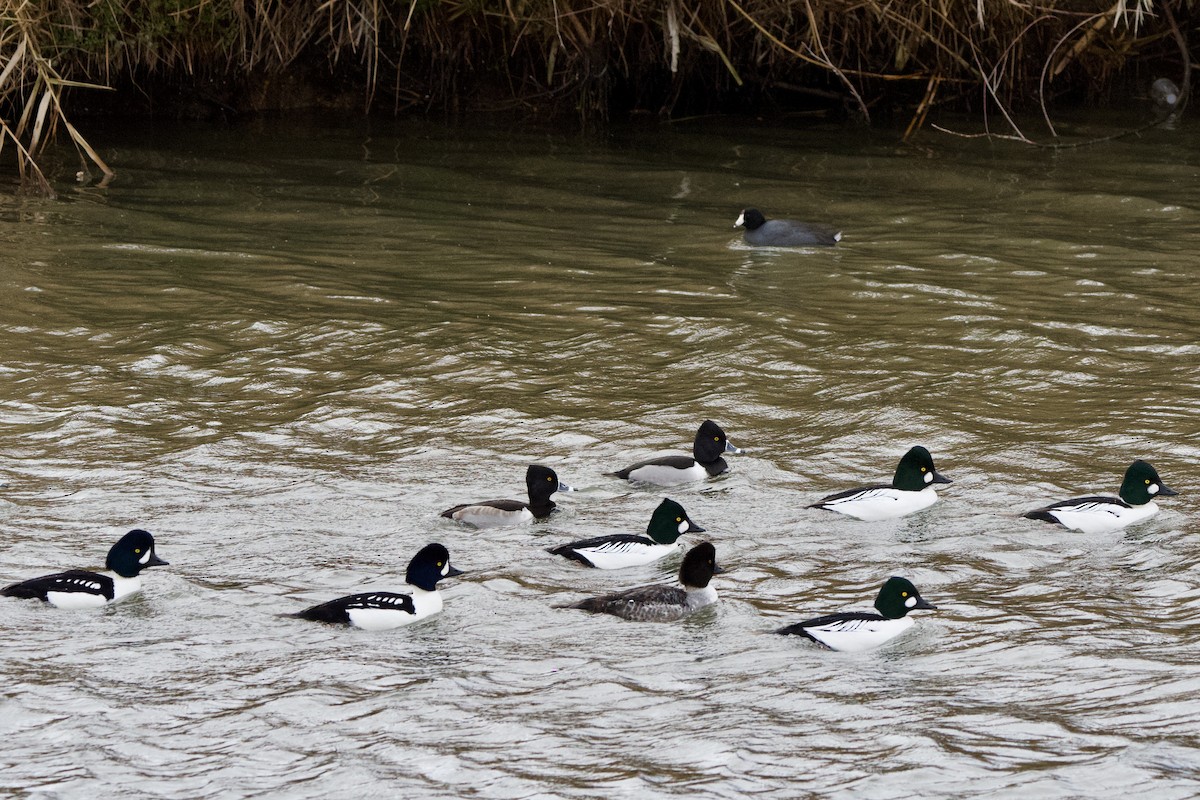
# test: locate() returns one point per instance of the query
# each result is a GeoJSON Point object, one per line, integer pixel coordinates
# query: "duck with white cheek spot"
{"type": "Point", "coordinates": [911, 490]}
{"type": "Point", "coordinates": [618, 550]}
{"type": "Point", "coordinates": [1104, 514]}
{"type": "Point", "coordinates": [852, 631]}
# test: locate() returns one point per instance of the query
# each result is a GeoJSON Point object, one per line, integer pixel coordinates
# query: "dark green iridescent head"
{"type": "Point", "coordinates": [916, 471]}
{"type": "Point", "coordinates": [1142, 484]}
{"type": "Point", "coordinates": [897, 597]}
{"type": "Point", "coordinates": [669, 521]}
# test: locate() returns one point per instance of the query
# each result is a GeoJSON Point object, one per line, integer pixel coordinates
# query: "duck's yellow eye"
{"type": "Point", "coordinates": [439, 563]}
{"type": "Point", "coordinates": [904, 594]}
{"type": "Point", "coordinates": [1147, 481]}
{"type": "Point", "coordinates": [924, 470]}
{"type": "Point", "coordinates": [137, 550]}
{"type": "Point", "coordinates": [679, 519]}
{"type": "Point", "coordinates": [549, 479]}
{"type": "Point", "coordinates": [716, 438]}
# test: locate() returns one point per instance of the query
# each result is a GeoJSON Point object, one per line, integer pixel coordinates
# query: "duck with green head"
{"type": "Point", "coordinates": [911, 489]}
{"type": "Point", "coordinates": [615, 551]}
{"type": "Point", "coordinates": [854, 631]}
{"type": "Point", "coordinates": [1104, 514]}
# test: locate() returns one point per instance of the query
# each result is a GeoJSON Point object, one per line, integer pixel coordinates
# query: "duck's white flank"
{"type": "Point", "coordinates": [662, 475]}
{"type": "Point", "coordinates": [491, 517]}
{"type": "Point", "coordinates": [884, 502]}
{"type": "Point", "coordinates": [1095, 516]}
{"type": "Point", "coordinates": [618, 555]}
{"type": "Point", "coordinates": [856, 635]}
{"type": "Point", "coordinates": [381, 619]}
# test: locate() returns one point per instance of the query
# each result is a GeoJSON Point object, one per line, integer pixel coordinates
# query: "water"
{"type": "Point", "coordinates": [285, 349]}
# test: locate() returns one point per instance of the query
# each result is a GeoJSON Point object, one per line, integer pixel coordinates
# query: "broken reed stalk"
{"type": "Point", "coordinates": [29, 81]}
{"type": "Point", "coordinates": [593, 56]}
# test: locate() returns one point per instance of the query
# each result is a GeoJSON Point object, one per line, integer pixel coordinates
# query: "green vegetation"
{"type": "Point", "coordinates": [591, 58]}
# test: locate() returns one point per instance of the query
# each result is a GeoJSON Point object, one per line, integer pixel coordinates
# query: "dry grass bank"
{"type": "Point", "coordinates": [591, 57]}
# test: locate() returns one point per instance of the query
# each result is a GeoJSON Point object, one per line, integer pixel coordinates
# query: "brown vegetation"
{"type": "Point", "coordinates": [591, 57]}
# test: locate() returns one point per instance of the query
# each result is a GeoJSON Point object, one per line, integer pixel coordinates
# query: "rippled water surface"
{"type": "Point", "coordinates": [284, 349]}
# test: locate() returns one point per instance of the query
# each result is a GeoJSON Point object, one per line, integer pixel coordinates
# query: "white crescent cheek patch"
{"type": "Point", "coordinates": [1152, 488]}
{"type": "Point", "coordinates": [741, 220]}
{"type": "Point", "coordinates": [683, 526]}
{"type": "Point", "coordinates": [145, 559]}
{"type": "Point", "coordinates": [910, 602]}
{"type": "Point", "coordinates": [929, 477]}
{"type": "Point", "coordinates": [446, 569]}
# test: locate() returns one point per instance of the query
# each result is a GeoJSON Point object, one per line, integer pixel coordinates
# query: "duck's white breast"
{"type": "Point", "coordinates": [699, 598]}
{"type": "Point", "coordinates": [123, 587]}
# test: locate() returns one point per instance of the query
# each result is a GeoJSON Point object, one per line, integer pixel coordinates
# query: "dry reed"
{"type": "Point", "coordinates": [591, 56]}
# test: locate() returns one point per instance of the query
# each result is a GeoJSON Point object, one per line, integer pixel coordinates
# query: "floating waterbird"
{"type": "Point", "coordinates": [668, 522]}
{"type": "Point", "coordinates": [664, 603]}
{"type": "Point", "coordinates": [1104, 514]}
{"type": "Point", "coordinates": [706, 460]}
{"type": "Point", "coordinates": [79, 588]}
{"type": "Point", "coordinates": [911, 490]}
{"type": "Point", "coordinates": [540, 481]}
{"type": "Point", "coordinates": [853, 632]}
{"type": "Point", "coordinates": [763, 232]}
{"type": "Point", "coordinates": [380, 611]}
